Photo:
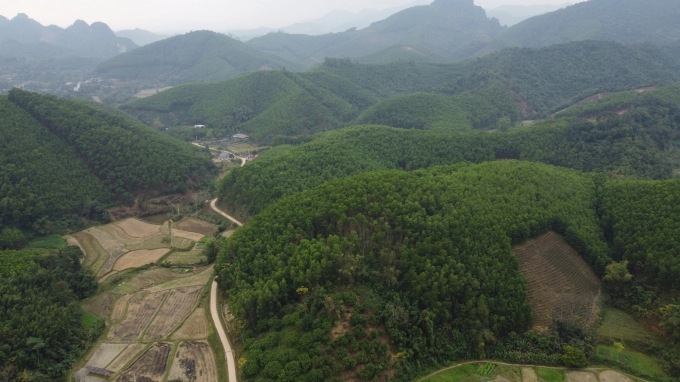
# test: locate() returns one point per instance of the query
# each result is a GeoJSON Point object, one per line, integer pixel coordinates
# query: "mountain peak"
{"type": "Point", "coordinates": [454, 3]}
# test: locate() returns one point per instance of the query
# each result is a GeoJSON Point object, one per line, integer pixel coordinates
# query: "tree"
{"type": "Point", "coordinates": [617, 278]}
{"type": "Point", "coordinates": [574, 357]}
{"type": "Point", "coordinates": [12, 238]}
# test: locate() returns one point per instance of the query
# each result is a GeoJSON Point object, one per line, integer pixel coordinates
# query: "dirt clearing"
{"type": "Point", "coordinates": [137, 228]}
{"type": "Point", "coordinates": [139, 313]}
{"type": "Point", "coordinates": [105, 354]}
{"type": "Point", "coordinates": [150, 367]}
{"type": "Point", "coordinates": [562, 286]}
{"type": "Point", "coordinates": [136, 259]}
{"type": "Point", "coordinates": [613, 376]}
{"type": "Point", "coordinates": [198, 226]}
{"type": "Point", "coordinates": [529, 375]}
{"type": "Point", "coordinates": [194, 361]}
{"type": "Point", "coordinates": [176, 308]}
{"type": "Point", "coordinates": [100, 305]}
{"type": "Point", "coordinates": [194, 328]}
{"type": "Point", "coordinates": [580, 376]}
{"type": "Point", "coordinates": [126, 356]}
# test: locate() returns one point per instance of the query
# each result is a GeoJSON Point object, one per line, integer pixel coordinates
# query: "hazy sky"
{"type": "Point", "coordinates": [179, 15]}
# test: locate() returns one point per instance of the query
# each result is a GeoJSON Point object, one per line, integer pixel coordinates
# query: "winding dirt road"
{"type": "Point", "coordinates": [213, 205]}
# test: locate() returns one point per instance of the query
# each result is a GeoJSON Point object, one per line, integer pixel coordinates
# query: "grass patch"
{"type": "Point", "coordinates": [635, 362]}
{"type": "Point", "coordinates": [512, 373]}
{"type": "Point", "coordinates": [155, 242]}
{"type": "Point", "coordinates": [549, 375]}
{"type": "Point", "coordinates": [49, 242]}
{"type": "Point", "coordinates": [185, 258]}
{"type": "Point", "coordinates": [88, 320]}
{"type": "Point", "coordinates": [461, 373]}
{"type": "Point", "coordinates": [620, 326]}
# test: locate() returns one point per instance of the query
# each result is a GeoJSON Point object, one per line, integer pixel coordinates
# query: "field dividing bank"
{"type": "Point", "coordinates": [562, 286]}
{"type": "Point", "coordinates": [467, 371]}
{"type": "Point", "coordinates": [139, 313]}
{"type": "Point", "coordinates": [179, 304]}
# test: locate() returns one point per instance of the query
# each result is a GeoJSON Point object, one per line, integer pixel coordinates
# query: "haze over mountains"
{"type": "Point", "coordinates": [24, 36]}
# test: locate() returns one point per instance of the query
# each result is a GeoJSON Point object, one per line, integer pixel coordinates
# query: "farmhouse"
{"type": "Point", "coordinates": [225, 156]}
{"type": "Point", "coordinates": [199, 126]}
{"type": "Point", "coordinates": [241, 137]}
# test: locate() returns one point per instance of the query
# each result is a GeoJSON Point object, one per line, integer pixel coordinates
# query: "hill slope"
{"type": "Point", "coordinates": [445, 27]}
{"type": "Point", "coordinates": [81, 39]}
{"type": "Point", "coordinates": [424, 255]}
{"type": "Point", "coordinates": [200, 56]}
{"type": "Point", "coordinates": [625, 21]}
{"type": "Point", "coordinates": [96, 158]}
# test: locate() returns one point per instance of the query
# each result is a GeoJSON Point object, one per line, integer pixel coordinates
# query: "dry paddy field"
{"type": "Point", "coordinates": [157, 331]}
{"type": "Point", "coordinates": [561, 284]}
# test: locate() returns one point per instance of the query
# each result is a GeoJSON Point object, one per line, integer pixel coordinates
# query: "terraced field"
{"type": "Point", "coordinates": [561, 284]}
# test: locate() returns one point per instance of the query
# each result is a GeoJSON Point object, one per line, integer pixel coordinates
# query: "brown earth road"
{"type": "Point", "coordinates": [219, 211]}
{"type": "Point", "coordinates": [231, 364]}
{"type": "Point", "coordinates": [590, 369]}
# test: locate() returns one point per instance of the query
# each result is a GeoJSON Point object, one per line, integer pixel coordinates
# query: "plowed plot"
{"type": "Point", "coordinates": [187, 235]}
{"type": "Point", "coordinates": [100, 305]}
{"type": "Point", "coordinates": [95, 255]}
{"type": "Point", "coordinates": [137, 228]}
{"type": "Point", "coordinates": [150, 367]}
{"type": "Point", "coordinates": [120, 307]}
{"type": "Point", "coordinates": [136, 259]}
{"type": "Point", "coordinates": [194, 328]}
{"type": "Point", "coordinates": [199, 279]}
{"type": "Point", "coordinates": [113, 247]}
{"type": "Point", "coordinates": [179, 304]}
{"type": "Point", "coordinates": [198, 226]}
{"type": "Point", "coordinates": [139, 314]}
{"type": "Point", "coordinates": [186, 258]}
{"type": "Point", "coordinates": [561, 284]}
{"type": "Point", "coordinates": [105, 354]}
{"type": "Point", "coordinates": [120, 235]}
{"type": "Point", "coordinates": [194, 361]}
{"type": "Point", "coordinates": [154, 242]}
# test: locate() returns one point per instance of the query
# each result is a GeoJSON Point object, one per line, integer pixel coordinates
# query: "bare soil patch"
{"type": "Point", "coordinates": [154, 242]}
{"type": "Point", "coordinates": [122, 236]}
{"type": "Point", "coordinates": [561, 284]}
{"type": "Point", "coordinates": [529, 375]}
{"type": "Point", "coordinates": [580, 376]}
{"type": "Point", "coordinates": [126, 356]}
{"type": "Point", "coordinates": [105, 354]}
{"type": "Point", "coordinates": [187, 235]}
{"type": "Point", "coordinates": [150, 367]}
{"type": "Point", "coordinates": [194, 361]}
{"type": "Point", "coordinates": [195, 225]}
{"type": "Point", "coordinates": [194, 328]}
{"type": "Point", "coordinates": [148, 279]}
{"type": "Point", "coordinates": [613, 376]}
{"type": "Point", "coordinates": [120, 308]}
{"type": "Point", "coordinates": [199, 279]}
{"type": "Point", "coordinates": [100, 305]}
{"type": "Point", "coordinates": [136, 259]}
{"type": "Point", "coordinates": [113, 247]}
{"type": "Point", "coordinates": [138, 228]}
{"type": "Point", "coordinates": [176, 308]}
{"type": "Point", "coordinates": [139, 313]}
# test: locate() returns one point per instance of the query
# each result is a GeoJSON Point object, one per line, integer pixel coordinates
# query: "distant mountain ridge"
{"type": "Point", "coordinates": [141, 37]}
{"type": "Point", "coordinates": [200, 56]}
{"type": "Point", "coordinates": [445, 27]}
{"type": "Point", "coordinates": [81, 39]}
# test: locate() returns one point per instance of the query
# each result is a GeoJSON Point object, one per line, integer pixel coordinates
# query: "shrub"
{"type": "Point", "coordinates": [574, 357]}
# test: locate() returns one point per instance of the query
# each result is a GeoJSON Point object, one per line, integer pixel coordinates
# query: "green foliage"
{"type": "Point", "coordinates": [40, 317]}
{"type": "Point", "coordinates": [49, 242]}
{"type": "Point", "coordinates": [574, 357]}
{"type": "Point", "coordinates": [125, 155]}
{"type": "Point", "coordinates": [632, 145]}
{"type": "Point", "coordinates": [670, 322]}
{"type": "Point", "coordinates": [12, 238]}
{"type": "Point", "coordinates": [13, 262]}
{"type": "Point", "coordinates": [631, 361]}
{"type": "Point", "coordinates": [434, 245]}
{"type": "Point", "coordinates": [550, 375]}
{"type": "Point", "coordinates": [200, 56]}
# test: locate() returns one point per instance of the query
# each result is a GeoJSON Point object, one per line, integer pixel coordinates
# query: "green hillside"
{"type": "Point", "coordinates": [35, 165]}
{"type": "Point", "coordinates": [516, 83]}
{"type": "Point", "coordinates": [445, 28]}
{"type": "Point", "coordinates": [640, 144]}
{"type": "Point", "coordinates": [63, 161]}
{"type": "Point", "coordinates": [625, 21]}
{"type": "Point", "coordinates": [420, 262]}
{"type": "Point", "coordinates": [201, 56]}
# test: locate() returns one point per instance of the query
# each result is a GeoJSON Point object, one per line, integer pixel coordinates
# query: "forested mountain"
{"type": "Point", "coordinates": [140, 37]}
{"type": "Point", "coordinates": [481, 93]}
{"type": "Point", "coordinates": [625, 21]}
{"type": "Point", "coordinates": [201, 56]}
{"type": "Point", "coordinates": [62, 160]}
{"type": "Point", "coordinates": [24, 37]}
{"type": "Point", "coordinates": [640, 143]}
{"type": "Point", "coordinates": [445, 27]}
{"type": "Point", "coordinates": [423, 256]}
